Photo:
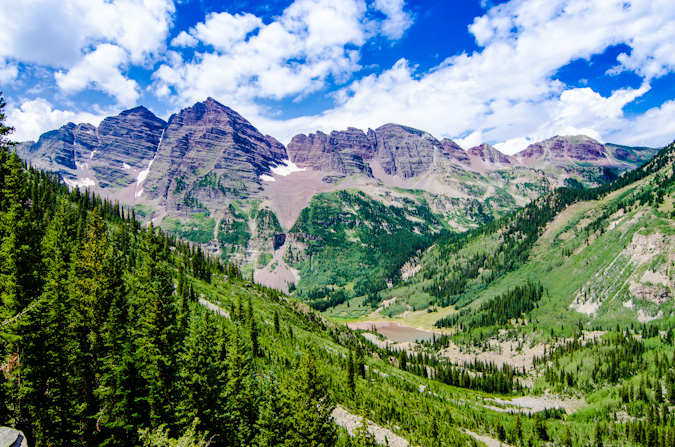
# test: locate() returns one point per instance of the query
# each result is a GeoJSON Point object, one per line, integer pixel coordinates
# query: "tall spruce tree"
{"type": "Point", "coordinates": [311, 407]}
{"type": "Point", "coordinates": [154, 311]}
{"type": "Point", "coordinates": [47, 391]}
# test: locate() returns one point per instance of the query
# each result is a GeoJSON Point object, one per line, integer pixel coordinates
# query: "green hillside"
{"type": "Point", "coordinates": [590, 246]}
{"type": "Point", "coordinates": [113, 333]}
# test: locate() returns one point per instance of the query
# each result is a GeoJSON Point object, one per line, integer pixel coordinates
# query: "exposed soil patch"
{"type": "Point", "coordinates": [291, 193]}
{"type": "Point", "coordinates": [351, 422]}
{"type": "Point", "coordinates": [217, 309]}
{"type": "Point", "coordinates": [488, 441]}
{"type": "Point", "coordinates": [277, 274]}
{"type": "Point", "coordinates": [394, 331]}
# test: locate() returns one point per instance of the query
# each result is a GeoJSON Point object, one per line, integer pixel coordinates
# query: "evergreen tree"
{"type": "Point", "coordinates": [360, 363]}
{"type": "Point", "coordinates": [277, 328]}
{"type": "Point", "coordinates": [275, 421]}
{"type": "Point", "coordinates": [203, 363]}
{"type": "Point", "coordinates": [47, 389]}
{"type": "Point", "coordinates": [241, 395]}
{"type": "Point", "coordinates": [597, 435]}
{"type": "Point", "coordinates": [539, 428]}
{"type": "Point", "coordinates": [311, 408]}
{"type": "Point", "coordinates": [351, 384]}
{"type": "Point", "coordinates": [567, 437]}
{"type": "Point", "coordinates": [94, 282]}
{"type": "Point", "coordinates": [518, 429]}
{"type": "Point", "coordinates": [156, 342]}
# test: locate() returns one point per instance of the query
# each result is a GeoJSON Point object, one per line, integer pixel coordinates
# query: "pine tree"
{"type": "Point", "coordinates": [47, 391]}
{"type": "Point", "coordinates": [277, 328]}
{"type": "Point", "coordinates": [274, 422]}
{"type": "Point", "coordinates": [94, 282]}
{"type": "Point", "coordinates": [567, 437]}
{"type": "Point", "coordinates": [597, 435]}
{"type": "Point", "coordinates": [203, 362]}
{"type": "Point", "coordinates": [351, 384]}
{"type": "Point", "coordinates": [311, 408]}
{"type": "Point", "coordinates": [360, 362]}
{"type": "Point", "coordinates": [241, 396]}
{"type": "Point", "coordinates": [518, 429]}
{"type": "Point", "coordinates": [154, 308]}
{"type": "Point", "coordinates": [539, 428]}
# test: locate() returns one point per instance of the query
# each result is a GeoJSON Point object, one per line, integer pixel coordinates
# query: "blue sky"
{"type": "Point", "coordinates": [503, 72]}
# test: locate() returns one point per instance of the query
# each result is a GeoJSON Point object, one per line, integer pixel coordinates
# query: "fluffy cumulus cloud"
{"type": "Point", "coordinates": [88, 42]}
{"type": "Point", "coordinates": [506, 92]}
{"type": "Point", "coordinates": [310, 44]}
{"type": "Point", "coordinates": [397, 20]}
{"type": "Point", "coordinates": [100, 69]}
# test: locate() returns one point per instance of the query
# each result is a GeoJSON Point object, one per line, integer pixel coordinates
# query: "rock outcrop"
{"type": "Point", "coordinates": [105, 156]}
{"type": "Point", "coordinates": [405, 151]}
{"type": "Point", "coordinates": [61, 150]}
{"type": "Point", "coordinates": [10, 437]}
{"type": "Point", "coordinates": [489, 155]}
{"type": "Point", "coordinates": [126, 143]}
{"type": "Point", "coordinates": [399, 150]}
{"type": "Point", "coordinates": [343, 152]}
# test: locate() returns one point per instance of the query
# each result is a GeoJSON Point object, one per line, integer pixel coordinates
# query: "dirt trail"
{"type": "Point", "coordinates": [217, 309]}
{"type": "Point", "coordinates": [533, 404]}
{"type": "Point", "coordinates": [351, 422]}
{"type": "Point", "coordinates": [488, 441]}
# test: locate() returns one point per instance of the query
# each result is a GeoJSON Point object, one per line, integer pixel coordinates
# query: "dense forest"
{"type": "Point", "coordinates": [103, 342]}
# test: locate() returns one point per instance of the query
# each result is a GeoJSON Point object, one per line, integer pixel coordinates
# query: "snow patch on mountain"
{"type": "Point", "coordinates": [286, 168]}
{"type": "Point", "coordinates": [83, 182]}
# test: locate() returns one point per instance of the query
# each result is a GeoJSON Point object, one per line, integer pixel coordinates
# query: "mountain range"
{"type": "Point", "coordinates": [207, 174]}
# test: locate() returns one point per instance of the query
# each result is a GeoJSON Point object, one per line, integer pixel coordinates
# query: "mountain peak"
{"type": "Point", "coordinates": [489, 154]}
{"type": "Point", "coordinates": [454, 151]}
{"type": "Point", "coordinates": [577, 147]}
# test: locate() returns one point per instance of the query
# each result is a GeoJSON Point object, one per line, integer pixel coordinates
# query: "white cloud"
{"type": "Point", "coordinates": [35, 117]}
{"type": "Point", "coordinates": [101, 69]}
{"type": "Point", "coordinates": [8, 72]}
{"type": "Point", "coordinates": [71, 35]}
{"type": "Point", "coordinates": [655, 128]}
{"type": "Point", "coordinates": [293, 56]}
{"type": "Point", "coordinates": [184, 39]}
{"type": "Point", "coordinates": [222, 30]}
{"type": "Point", "coordinates": [472, 140]}
{"type": "Point", "coordinates": [397, 21]}
{"type": "Point", "coordinates": [57, 34]}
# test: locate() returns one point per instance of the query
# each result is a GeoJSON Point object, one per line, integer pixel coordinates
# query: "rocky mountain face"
{"type": "Point", "coordinates": [398, 150]}
{"type": "Point", "coordinates": [108, 157]}
{"type": "Point", "coordinates": [342, 152]}
{"type": "Point", "coordinates": [126, 142]}
{"type": "Point", "coordinates": [209, 155]}
{"type": "Point", "coordinates": [489, 155]}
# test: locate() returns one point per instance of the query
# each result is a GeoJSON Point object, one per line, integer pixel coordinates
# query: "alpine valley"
{"type": "Point", "coordinates": [333, 215]}
{"type": "Point", "coordinates": [194, 282]}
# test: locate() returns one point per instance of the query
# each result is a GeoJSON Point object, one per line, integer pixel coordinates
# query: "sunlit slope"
{"type": "Point", "coordinates": [604, 254]}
